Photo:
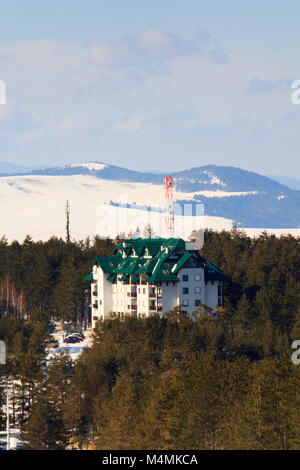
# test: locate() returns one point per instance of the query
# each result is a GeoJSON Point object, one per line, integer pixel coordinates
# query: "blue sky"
{"type": "Point", "coordinates": [160, 85]}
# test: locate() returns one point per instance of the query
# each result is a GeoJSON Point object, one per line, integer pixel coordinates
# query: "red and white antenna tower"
{"type": "Point", "coordinates": [169, 206]}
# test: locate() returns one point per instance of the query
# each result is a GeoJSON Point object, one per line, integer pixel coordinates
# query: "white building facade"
{"type": "Point", "coordinates": [145, 277]}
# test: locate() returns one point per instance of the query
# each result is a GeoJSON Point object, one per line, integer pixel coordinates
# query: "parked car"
{"type": "Point", "coordinates": [78, 335]}
{"type": "Point", "coordinates": [72, 339]}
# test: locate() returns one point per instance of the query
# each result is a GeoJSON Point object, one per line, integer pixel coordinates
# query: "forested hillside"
{"type": "Point", "coordinates": [159, 383]}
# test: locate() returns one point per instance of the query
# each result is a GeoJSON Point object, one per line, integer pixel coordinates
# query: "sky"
{"type": "Point", "coordinates": [160, 85]}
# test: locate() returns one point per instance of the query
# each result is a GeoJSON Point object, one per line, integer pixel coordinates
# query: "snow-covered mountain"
{"type": "Point", "coordinates": [33, 203]}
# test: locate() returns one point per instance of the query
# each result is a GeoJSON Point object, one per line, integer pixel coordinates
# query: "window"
{"type": "Point", "coordinates": [186, 303]}
{"type": "Point", "coordinates": [219, 291]}
{"type": "Point", "coordinates": [197, 277]}
{"type": "Point", "coordinates": [197, 302]}
{"type": "Point", "coordinates": [185, 290]}
{"type": "Point", "coordinates": [144, 290]}
{"type": "Point", "coordinates": [185, 277]}
{"type": "Point", "coordinates": [197, 290]}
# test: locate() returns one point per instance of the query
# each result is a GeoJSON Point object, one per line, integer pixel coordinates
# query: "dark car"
{"type": "Point", "coordinates": [80, 336]}
{"type": "Point", "coordinates": [72, 339]}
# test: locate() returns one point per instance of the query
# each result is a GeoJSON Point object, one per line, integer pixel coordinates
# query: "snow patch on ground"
{"type": "Point", "coordinates": [214, 179]}
{"type": "Point", "coordinates": [73, 349]}
{"type": "Point", "coordinates": [219, 193]}
{"type": "Point", "coordinates": [90, 166]}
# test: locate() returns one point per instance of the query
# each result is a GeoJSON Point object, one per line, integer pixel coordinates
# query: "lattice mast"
{"type": "Point", "coordinates": [169, 206]}
{"type": "Point", "coordinates": [67, 221]}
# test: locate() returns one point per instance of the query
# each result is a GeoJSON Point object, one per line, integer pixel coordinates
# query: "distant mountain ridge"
{"type": "Point", "coordinates": [292, 183]}
{"type": "Point", "coordinates": [193, 179]}
{"type": "Point", "coordinates": [247, 198]}
{"type": "Point", "coordinates": [7, 168]}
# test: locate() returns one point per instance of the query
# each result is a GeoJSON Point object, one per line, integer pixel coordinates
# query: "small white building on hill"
{"type": "Point", "coordinates": [153, 276]}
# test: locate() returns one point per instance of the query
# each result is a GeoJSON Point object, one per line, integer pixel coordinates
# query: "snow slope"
{"type": "Point", "coordinates": [35, 205]}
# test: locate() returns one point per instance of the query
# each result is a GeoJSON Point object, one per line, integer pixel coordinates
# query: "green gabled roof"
{"type": "Point", "coordinates": [213, 273]}
{"type": "Point", "coordinates": [108, 263]}
{"type": "Point", "coordinates": [181, 262]}
{"type": "Point", "coordinates": [135, 278]}
{"type": "Point", "coordinates": [147, 266]}
{"type": "Point", "coordinates": [159, 268]}
{"type": "Point", "coordinates": [164, 274]}
{"type": "Point", "coordinates": [162, 271]}
{"type": "Point", "coordinates": [152, 244]}
{"type": "Point", "coordinates": [130, 265]}
{"type": "Point", "coordinates": [89, 277]}
{"type": "Point", "coordinates": [137, 246]}
{"type": "Point", "coordinates": [121, 267]}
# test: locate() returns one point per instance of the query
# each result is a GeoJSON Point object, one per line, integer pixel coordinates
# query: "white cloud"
{"type": "Point", "coordinates": [154, 39]}
{"type": "Point", "coordinates": [109, 56]}
{"type": "Point", "coordinates": [151, 49]}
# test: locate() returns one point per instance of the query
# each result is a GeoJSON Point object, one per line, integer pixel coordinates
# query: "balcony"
{"type": "Point", "coordinates": [133, 307]}
{"type": "Point", "coordinates": [131, 294]}
{"type": "Point", "coordinates": [95, 305]}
